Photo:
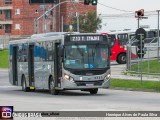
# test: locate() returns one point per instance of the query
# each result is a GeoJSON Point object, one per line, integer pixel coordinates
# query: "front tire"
{"type": "Point", "coordinates": [93, 91]}
{"type": "Point", "coordinates": [52, 89]}
{"type": "Point", "coordinates": [121, 58]}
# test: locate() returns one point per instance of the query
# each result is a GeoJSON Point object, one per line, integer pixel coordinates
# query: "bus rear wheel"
{"type": "Point", "coordinates": [121, 58]}
{"type": "Point", "coordinates": [52, 89]}
{"type": "Point", "coordinates": [24, 85]}
{"type": "Point", "coordinates": [93, 91]}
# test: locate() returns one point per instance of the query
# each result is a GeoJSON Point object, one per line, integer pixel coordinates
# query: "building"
{"type": "Point", "coordinates": [69, 11]}
{"type": "Point", "coordinates": [17, 17]}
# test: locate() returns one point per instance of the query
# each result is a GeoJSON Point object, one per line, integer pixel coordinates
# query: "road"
{"type": "Point", "coordinates": [105, 100]}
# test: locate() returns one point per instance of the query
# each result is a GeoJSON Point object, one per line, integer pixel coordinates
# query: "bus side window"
{"type": "Point", "coordinates": [122, 39]}
{"type": "Point", "coordinates": [24, 52]}
{"type": "Point", "coordinates": [20, 54]}
{"type": "Point", "coordinates": [49, 51]}
{"type": "Point", "coordinates": [41, 52]}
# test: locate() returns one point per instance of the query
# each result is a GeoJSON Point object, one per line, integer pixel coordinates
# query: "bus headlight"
{"type": "Point", "coordinates": [67, 77]}
{"type": "Point", "coordinates": [107, 77]}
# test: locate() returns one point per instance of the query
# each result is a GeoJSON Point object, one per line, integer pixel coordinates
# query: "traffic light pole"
{"type": "Point", "coordinates": [141, 38]}
{"type": "Point", "coordinates": [138, 22]}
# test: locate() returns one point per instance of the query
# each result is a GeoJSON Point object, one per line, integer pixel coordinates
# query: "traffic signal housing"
{"type": "Point", "coordinates": [87, 2]}
{"type": "Point", "coordinates": [93, 2]}
{"type": "Point", "coordinates": [140, 51]}
{"type": "Point", "coordinates": [139, 13]}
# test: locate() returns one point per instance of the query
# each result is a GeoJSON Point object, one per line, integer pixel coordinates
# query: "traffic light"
{"type": "Point", "coordinates": [93, 2]}
{"type": "Point", "coordinates": [87, 2]}
{"type": "Point", "coordinates": [139, 13]}
{"type": "Point", "coordinates": [140, 51]}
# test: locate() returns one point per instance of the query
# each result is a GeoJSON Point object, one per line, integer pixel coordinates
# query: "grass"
{"type": "Point", "coordinates": [135, 84]}
{"type": "Point", "coordinates": [153, 65]}
{"type": "Point", "coordinates": [4, 58]}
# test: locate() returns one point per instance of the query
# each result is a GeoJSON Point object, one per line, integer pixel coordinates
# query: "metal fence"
{"type": "Point", "coordinates": [149, 64]}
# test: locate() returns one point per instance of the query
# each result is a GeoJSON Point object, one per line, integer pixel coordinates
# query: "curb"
{"type": "Point", "coordinates": [1, 69]}
{"type": "Point", "coordinates": [135, 89]}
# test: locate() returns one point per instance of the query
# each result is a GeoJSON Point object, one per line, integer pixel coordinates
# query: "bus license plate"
{"type": "Point", "coordinates": [89, 84]}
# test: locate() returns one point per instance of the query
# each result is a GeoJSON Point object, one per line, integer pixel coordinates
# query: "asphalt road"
{"type": "Point", "coordinates": [105, 100]}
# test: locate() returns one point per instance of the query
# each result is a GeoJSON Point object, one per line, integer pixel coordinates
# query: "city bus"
{"type": "Point", "coordinates": [60, 61]}
{"type": "Point", "coordinates": [120, 39]}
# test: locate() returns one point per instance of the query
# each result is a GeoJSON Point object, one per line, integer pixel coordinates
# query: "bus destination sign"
{"type": "Point", "coordinates": [85, 38]}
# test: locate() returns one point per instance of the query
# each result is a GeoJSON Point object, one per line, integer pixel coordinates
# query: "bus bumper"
{"type": "Point", "coordinates": [78, 85]}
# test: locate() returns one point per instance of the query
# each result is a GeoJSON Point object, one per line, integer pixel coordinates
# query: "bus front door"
{"type": "Point", "coordinates": [14, 65]}
{"type": "Point", "coordinates": [57, 65]}
{"type": "Point", "coordinates": [31, 65]}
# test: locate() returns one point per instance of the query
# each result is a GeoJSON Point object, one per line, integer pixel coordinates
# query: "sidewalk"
{"type": "Point", "coordinates": [136, 77]}
{"type": "Point", "coordinates": [118, 73]}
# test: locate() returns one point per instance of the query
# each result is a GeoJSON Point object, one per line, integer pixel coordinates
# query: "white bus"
{"type": "Point", "coordinates": [60, 61]}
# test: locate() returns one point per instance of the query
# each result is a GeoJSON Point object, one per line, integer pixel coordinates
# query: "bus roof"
{"type": "Point", "coordinates": [49, 36]}
{"type": "Point", "coordinates": [52, 34]}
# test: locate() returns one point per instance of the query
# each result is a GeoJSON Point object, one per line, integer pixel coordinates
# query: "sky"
{"type": "Point", "coordinates": [123, 8]}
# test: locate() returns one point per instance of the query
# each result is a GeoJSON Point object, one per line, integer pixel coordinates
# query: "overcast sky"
{"type": "Point", "coordinates": [127, 8]}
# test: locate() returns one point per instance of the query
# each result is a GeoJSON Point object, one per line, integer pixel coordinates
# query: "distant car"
{"type": "Point", "coordinates": [1, 47]}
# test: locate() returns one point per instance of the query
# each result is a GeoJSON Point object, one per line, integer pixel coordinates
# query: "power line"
{"type": "Point", "coordinates": [114, 8]}
{"type": "Point", "coordinates": [128, 14]}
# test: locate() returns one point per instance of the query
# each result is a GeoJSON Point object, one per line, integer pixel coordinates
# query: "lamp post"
{"type": "Point", "coordinates": [77, 15]}
{"type": "Point", "coordinates": [44, 17]}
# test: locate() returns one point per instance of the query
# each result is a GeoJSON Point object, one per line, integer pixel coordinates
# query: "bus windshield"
{"type": "Point", "coordinates": [86, 56]}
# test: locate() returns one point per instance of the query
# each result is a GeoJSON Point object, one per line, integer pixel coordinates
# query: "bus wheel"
{"type": "Point", "coordinates": [52, 89]}
{"type": "Point", "coordinates": [121, 58]}
{"type": "Point", "coordinates": [24, 85]}
{"type": "Point", "coordinates": [93, 91]}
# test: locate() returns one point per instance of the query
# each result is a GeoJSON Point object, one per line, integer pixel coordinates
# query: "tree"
{"type": "Point", "coordinates": [89, 22]}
